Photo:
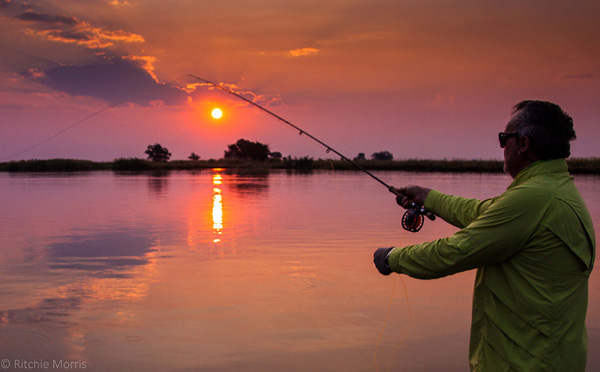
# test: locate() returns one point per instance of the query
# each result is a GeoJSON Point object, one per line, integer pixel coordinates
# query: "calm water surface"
{"type": "Point", "coordinates": [213, 271]}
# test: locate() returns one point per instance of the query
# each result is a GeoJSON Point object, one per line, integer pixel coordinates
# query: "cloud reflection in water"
{"type": "Point", "coordinates": [107, 265]}
{"type": "Point", "coordinates": [102, 254]}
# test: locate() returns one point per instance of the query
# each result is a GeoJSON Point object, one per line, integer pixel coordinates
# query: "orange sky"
{"type": "Point", "coordinates": [433, 79]}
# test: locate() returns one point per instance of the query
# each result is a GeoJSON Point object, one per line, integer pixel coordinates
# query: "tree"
{"type": "Point", "coordinates": [276, 155]}
{"type": "Point", "coordinates": [194, 157]}
{"type": "Point", "coordinates": [360, 156]}
{"type": "Point", "coordinates": [157, 153]}
{"type": "Point", "coordinates": [248, 150]}
{"type": "Point", "coordinates": [382, 155]}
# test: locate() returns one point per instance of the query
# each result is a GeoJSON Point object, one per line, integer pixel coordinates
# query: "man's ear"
{"type": "Point", "coordinates": [525, 149]}
{"type": "Point", "coordinates": [524, 143]}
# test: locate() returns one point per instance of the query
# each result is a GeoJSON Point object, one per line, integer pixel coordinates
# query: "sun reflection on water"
{"type": "Point", "coordinates": [205, 222]}
{"type": "Point", "coordinates": [217, 209]}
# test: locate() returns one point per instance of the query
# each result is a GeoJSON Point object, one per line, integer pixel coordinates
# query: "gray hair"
{"type": "Point", "coordinates": [548, 127]}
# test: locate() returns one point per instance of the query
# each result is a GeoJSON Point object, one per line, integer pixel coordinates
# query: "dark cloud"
{"type": "Point", "coordinates": [90, 37]}
{"type": "Point", "coordinates": [68, 29]}
{"type": "Point", "coordinates": [114, 81]}
{"type": "Point", "coordinates": [68, 35]}
{"type": "Point", "coordinates": [35, 16]}
{"type": "Point", "coordinates": [579, 76]}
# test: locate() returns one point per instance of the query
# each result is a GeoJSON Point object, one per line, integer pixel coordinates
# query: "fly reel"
{"type": "Point", "coordinates": [412, 220]}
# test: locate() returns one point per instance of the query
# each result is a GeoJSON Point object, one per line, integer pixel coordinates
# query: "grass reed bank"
{"type": "Point", "coordinates": [576, 165]}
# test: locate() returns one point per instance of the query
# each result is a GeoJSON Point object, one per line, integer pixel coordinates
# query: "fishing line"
{"type": "Point", "coordinates": [386, 320]}
{"type": "Point", "coordinates": [91, 116]}
{"type": "Point", "coordinates": [406, 333]}
{"type": "Point", "coordinates": [413, 218]}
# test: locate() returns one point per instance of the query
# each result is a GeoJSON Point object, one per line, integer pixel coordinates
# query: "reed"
{"type": "Point", "coordinates": [584, 165]}
{"type": "Point", "coordinates": [576, 165]}
{"type": "Point", "coordinates": [420, 165]}
{"type": "Point", "coordinates": [54, 165]}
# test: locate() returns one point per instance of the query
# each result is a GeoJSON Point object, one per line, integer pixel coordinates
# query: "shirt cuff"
{"type": "Point", "coordinates": [432, 200]}
{"type": "Point", "coordinates": [392, 260]}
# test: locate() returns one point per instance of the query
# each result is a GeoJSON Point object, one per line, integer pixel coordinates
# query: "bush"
{"type": "Point", "coordinates": [53, 165]}
{"type": "Point", "coordinates": [304, 163]}
{"type": "Point", "coordinates": [382, 155]}
{"type": "Point", "coordinates": [131, 164]}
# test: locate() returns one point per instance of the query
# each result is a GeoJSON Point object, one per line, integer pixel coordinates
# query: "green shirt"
{"type": "Point", "coordinates": [534, 249]}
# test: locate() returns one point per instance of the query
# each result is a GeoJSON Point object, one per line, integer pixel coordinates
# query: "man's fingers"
{"type": "Point", "coordinates": [399, 200]}
{"type": "Point", "coordinates": [404, 202]}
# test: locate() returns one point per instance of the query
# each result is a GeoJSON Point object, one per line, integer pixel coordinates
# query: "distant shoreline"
{"type": "Point", "coordinates": [576, 165]}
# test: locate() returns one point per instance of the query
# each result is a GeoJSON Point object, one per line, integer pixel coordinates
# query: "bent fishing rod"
{"type": "Point", "coordinates": [413, 218]}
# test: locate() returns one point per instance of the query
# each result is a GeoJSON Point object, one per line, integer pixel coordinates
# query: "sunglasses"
{"type": "Point", "coordinates": [502, 137]}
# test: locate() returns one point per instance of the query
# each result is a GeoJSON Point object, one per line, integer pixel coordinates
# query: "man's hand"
{"type": "Point", "coordinates": [381, 262]}
{"type": "Point", "coordinates": [407, 195]}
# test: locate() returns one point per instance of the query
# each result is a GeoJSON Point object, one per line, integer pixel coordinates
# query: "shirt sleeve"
{"type": "Point", "coordinates": [455, 210]}
{"type": "Point", "coordinates": [501, 230]}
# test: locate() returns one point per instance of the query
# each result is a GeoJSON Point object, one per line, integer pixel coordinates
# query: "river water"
{"type": "Point", "coordinates": [217, 271]}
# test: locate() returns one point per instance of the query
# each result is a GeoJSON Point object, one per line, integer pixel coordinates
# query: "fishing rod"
{"type": "Point", "coordinates": [413, 218]}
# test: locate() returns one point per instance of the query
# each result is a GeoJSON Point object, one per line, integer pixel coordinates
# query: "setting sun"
{"type": "Point", "coordinates": [217, 113]}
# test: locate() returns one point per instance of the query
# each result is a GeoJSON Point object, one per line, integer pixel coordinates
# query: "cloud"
{"type": "Point", "coordinates": [117, 35]}
{"type": "Point", "coordinates": [302, 52]}
{"type": "Point", "coordinates": [119, 3]}
{"type": "Point", "coordinates": [31, 15]}
{"type": "Point", "coordinates": [586, 76]}
{"type": "Point", "coordinates": [259, 99]}
{"type": "Point", "coordinates": [115, 80]}
{"type": "Point", "coordinates": [146, 62]}
{"type": "Point", "coordinates": [36, 74]}
{"type": "Point", "coordinates": [442, 100]}
{"type": "Point", "coordinates": [70, 37]}
{"type": "Point", "coordinates": [71, 30]}
{"type": "Point", "coordinates": [91, 37]}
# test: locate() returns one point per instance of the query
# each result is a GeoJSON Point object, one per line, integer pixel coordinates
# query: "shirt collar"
{"type": "Point", "coordinates": [538, 168]}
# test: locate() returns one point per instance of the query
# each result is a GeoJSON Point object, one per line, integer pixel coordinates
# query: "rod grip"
{"type": "Point", "coordinates": [423, 211]}
{"type": "Point", "coordinates": [415, 206]}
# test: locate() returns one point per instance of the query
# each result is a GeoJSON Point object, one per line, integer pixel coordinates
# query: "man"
{"type": "Point", "coordinates": [533, 248]}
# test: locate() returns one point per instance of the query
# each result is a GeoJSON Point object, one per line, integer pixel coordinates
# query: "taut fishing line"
{"type": "Point", "coordinates": [91, 116]}
{"type": "Point", "coordinates": [386, 319]}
